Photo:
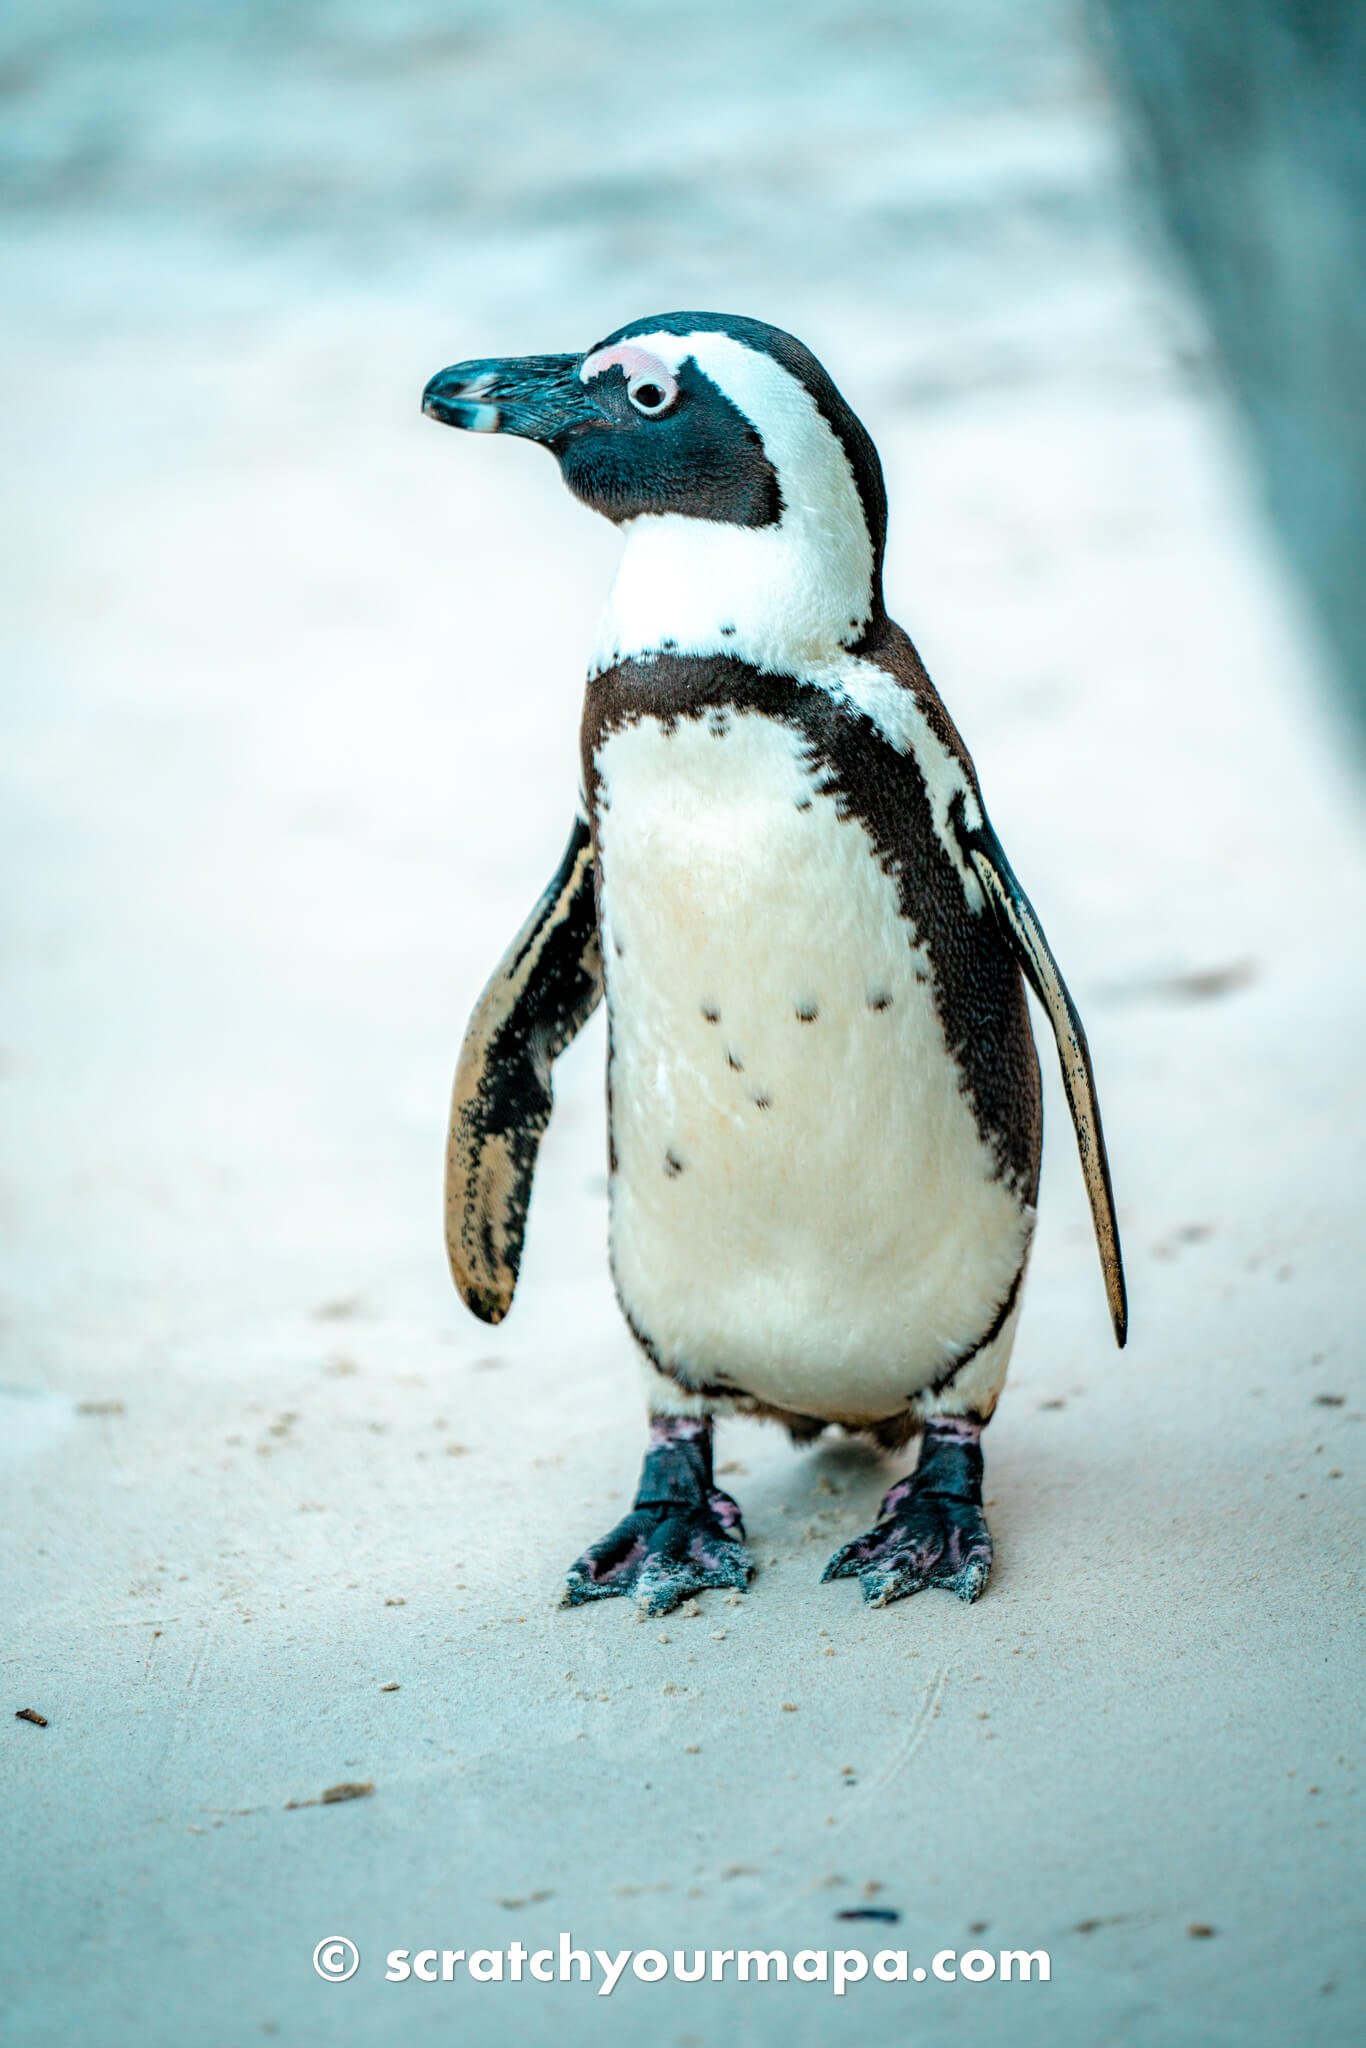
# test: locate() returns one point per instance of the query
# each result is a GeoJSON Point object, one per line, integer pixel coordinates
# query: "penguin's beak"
{"type": "Point", "coordinates": [540, 398]}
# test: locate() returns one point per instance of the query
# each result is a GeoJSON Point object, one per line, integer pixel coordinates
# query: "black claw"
{"type": "Point", "coordinates": [881, 1588]}
{"type": "Point", "coordinates": [846, 1562]}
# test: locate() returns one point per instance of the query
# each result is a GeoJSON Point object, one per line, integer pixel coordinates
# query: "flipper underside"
{"type": "Point", "coordinates": [544, 989]}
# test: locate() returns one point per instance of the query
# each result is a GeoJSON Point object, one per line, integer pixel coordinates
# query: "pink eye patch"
{"type": "Point", "coordinates": [637, 365]}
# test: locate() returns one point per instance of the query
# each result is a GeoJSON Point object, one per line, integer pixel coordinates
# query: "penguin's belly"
{"type": "Point", "coordinates": [803, 1207]}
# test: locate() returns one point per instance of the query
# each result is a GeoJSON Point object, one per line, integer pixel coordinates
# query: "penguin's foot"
{"type": "Point", "coordinates": [662, 1553]}
{"type": "Point", "coordinates": [932, 1531]}
{"type": "Point", "coordinates": [681, 1535]}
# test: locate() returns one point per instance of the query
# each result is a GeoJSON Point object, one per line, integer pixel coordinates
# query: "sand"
{"type": "Point", "coordinates": [288, 749]}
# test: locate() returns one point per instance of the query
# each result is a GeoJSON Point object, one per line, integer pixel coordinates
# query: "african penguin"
{"type": "Point", "coordinates": [823, 1092]}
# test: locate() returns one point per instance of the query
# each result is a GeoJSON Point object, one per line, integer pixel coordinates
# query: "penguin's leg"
{"type": "Point", "coordinates": [682, 1533]}
{"type": "Point", "coordinates": [931, 1531]}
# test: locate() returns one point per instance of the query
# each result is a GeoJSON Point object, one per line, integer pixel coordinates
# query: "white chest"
{"type": "Point", "coordinates": [802, 1205]}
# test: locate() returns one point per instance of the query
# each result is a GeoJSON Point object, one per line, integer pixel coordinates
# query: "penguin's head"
{"type": "Point", "coordinates": [752, 494]}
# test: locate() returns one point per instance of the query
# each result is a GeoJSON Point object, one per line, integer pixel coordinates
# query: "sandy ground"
{"type": "Point", "coordinates": [289, 712]}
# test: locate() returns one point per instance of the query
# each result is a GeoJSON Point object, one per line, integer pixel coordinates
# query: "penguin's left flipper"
{"type": "Point", "coordinates": [544, 989]}
{"type": "Point", "coordinates": [1025, 935]}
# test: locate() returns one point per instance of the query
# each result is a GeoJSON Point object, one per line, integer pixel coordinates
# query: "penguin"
{"type": "Point", "coordinates": [823, 1092]}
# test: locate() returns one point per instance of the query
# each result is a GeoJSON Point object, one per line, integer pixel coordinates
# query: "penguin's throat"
{"type": "Point", "coordinates": [780, 598]}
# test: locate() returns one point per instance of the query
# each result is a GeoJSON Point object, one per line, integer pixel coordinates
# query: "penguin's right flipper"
{"type": "Point", "coordinates": [545, 988]}
{"type": "Point", "coordinates": [1020, 923]}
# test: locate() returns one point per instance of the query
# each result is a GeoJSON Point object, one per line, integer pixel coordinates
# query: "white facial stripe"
{"type": "Point", "coordinates": [790, 593]}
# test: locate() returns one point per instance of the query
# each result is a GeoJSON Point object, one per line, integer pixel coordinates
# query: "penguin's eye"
{"type": "Point", "coordinates": [651, 395]}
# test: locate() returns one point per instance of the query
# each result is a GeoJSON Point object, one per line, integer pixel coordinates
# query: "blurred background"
{"type": "Point", "coordinates": [289, 715]}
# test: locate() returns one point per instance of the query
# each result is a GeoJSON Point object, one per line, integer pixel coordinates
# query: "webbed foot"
{"type": "Point", "coordinates": [682, 1534]}
{"type": "Point", "coordinates": [933, 1531]}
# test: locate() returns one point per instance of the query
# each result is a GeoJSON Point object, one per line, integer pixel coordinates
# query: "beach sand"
{"type": "Point", "coordinates": [289, 749]}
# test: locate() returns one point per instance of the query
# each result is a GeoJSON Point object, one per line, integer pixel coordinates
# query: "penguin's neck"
{"type": "Point", "coordinates": [783, 598]}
